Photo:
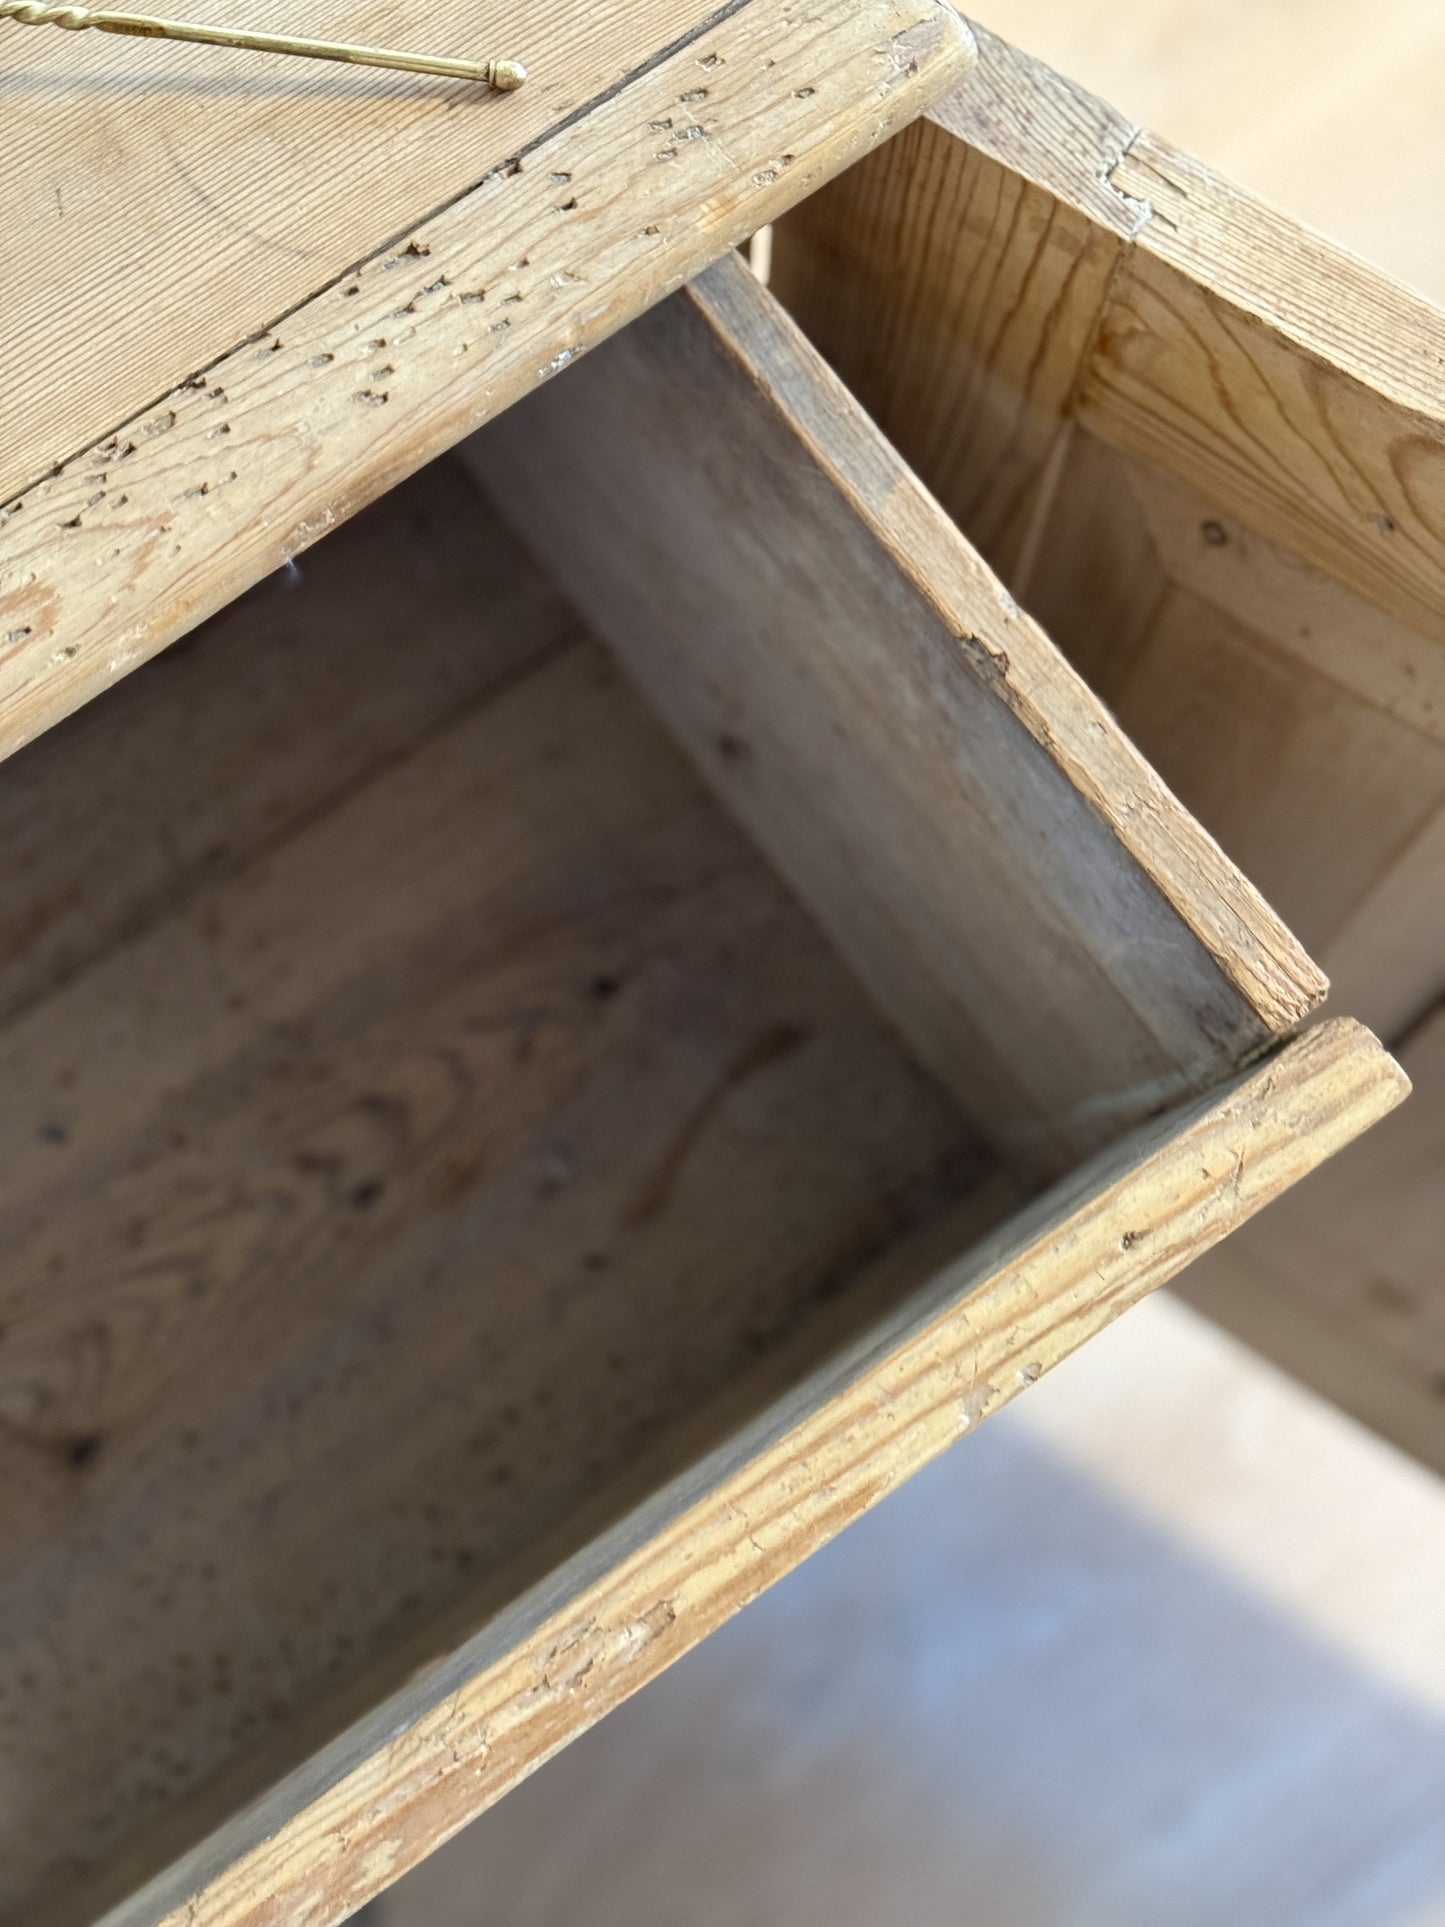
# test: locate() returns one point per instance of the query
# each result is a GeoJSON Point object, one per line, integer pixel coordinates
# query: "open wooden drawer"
{"type": "Point", "coordinates": [473, 1213]}
{"type": "Point", "coordinates": [1206, 449]}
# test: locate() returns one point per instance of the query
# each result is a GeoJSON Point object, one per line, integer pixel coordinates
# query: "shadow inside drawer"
{"type": "Point", "coordinates": [418, 1095]}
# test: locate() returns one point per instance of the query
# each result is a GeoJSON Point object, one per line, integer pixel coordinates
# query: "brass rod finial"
{"type": "Point", "coordinates": [504, 75]}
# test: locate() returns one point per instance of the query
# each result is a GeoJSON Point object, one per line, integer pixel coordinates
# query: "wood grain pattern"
{"type": "Point", "coordinates": [1292, 99]}
{"type": "Point", "coordinates": [107, 826]}
{"type": "Point", "coordinates": [1234, 526]}
{"type": "Point", "coordinates": [1255, 360]}
{"type": "Point", "coordinates": [188, 197]}
{"type": "Point", "coordinates": [1033, 910]}
{"type": "Point", "coordinates": [634, 1601]}
{"type": "Point", "coordinates": [372, 1203]}
{"type": "Point", "coordinates": [965, 350]}
{"type": "Point", "coordinates": [1168, 1542]}
{"type": "Point", "coordinates": [957, 280]}
{"type": "Point", "coordinates": [1279, 375]}
{"type": "Point", "coordinates": [1304, 725]}
{"type": "Point", "coordinates": [486, 1134]}
{"type": "Point", "coordinates": [480, 284]}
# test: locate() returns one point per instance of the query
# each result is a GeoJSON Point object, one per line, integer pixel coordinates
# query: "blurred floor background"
{"type": "Point", "coordinates": [1163, 1645]}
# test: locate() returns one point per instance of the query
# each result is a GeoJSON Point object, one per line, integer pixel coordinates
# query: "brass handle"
{"type": "Point", "coordinates": [505, 75]}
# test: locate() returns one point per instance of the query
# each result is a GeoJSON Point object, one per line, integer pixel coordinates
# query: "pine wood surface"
{"type": "Point", "coordinates": [1110, 278]}
{"type": "Point", "coordinates": [471, 1086]}
{"type": "Point", "coordinates": [1304, 724]}
{"type": "Point", "coordinates": [1032, 909]}
{"type": "Point", "coordinates": [335, 1146]}
{"type": "Point", "coordinates": [606, 1623]}
{"type": "Point", "coordinates": [1206, 448]}
{"type": "Point", "coordinates": [1279, 375]}
{"type": "Point", "coordinates": [177, 430]}
{"type": "Point", "coordinates": [441, 1068]}
{"type": "Point", "coordinates": [190, 196]}
{"type": "Point", "coordinates": [305, 710]}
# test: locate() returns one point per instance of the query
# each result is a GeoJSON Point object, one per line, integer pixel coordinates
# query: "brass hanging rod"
{"type": "Point", "coordinates": [505, 75]}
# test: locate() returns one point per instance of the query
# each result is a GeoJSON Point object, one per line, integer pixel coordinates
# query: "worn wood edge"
{"type": "Point", "coordinates": [1249, 945]}
{"type": "Point", "coordinates": [1033, 121]}
{"type": "Point", "coordinates": [930, 836]}
{"type": "Point", "coordinates": [92, 599]}
{"type": "Point", "coordinates": [1037, 122]}
{"type": "Point", "coordinates": [436, 1755]}
{"type": "Point", "coordinates": [1371, 349]}
{"type": "Point", "coordinates": [234, 190]}
{"type": "Point", "coordinates": [1342, 1286]}
{"type": "Point", "coordinates": [1365, 351]}
{"type": "Point", "coordinates": [1376, 331]}
{"type": "Point", "coordinates": [1310, 397]}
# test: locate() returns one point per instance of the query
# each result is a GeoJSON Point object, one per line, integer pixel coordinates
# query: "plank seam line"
{"type": "Point", "coordinates": [1143, 214]}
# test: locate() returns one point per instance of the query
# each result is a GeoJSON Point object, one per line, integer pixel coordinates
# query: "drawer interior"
{"type": "Point", "coordinates": [430, 1120]}
{"type": "Point", "coordinates": [417, 1094]}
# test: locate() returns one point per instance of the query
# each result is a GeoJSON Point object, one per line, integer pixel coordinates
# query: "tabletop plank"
{"type": "Point", "coordinates": [189, 195]}
{"type": "Point", "coordinates": [232, 402]}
